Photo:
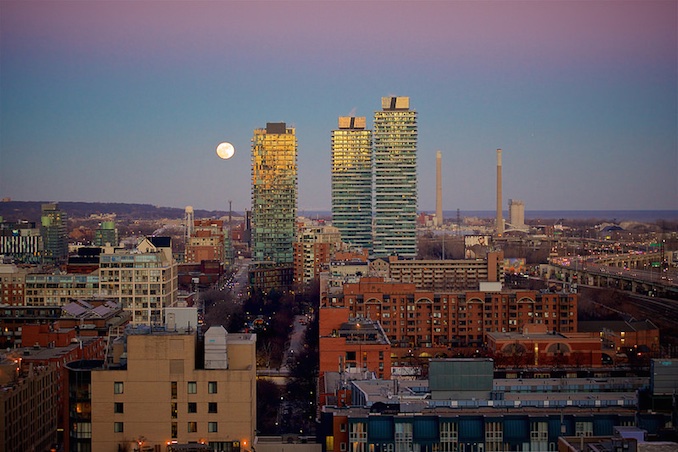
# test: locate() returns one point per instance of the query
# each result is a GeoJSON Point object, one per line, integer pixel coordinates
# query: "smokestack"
{"type": "Point", "coordinates": [500, 220]}
{"type": "Point", "coordinates": [439, 189]}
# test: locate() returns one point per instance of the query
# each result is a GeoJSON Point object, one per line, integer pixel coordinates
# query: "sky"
{"type": "Point", "coordinates": [126, 101]}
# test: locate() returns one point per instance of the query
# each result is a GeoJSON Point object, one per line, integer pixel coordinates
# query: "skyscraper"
{"type": "Point", "coordinates": [274, 193]}
{"type": "Point", "coordinates": [395, 177]}
{"type": "Point", "coordinates": [352, 181]}
{"type": "Point", "coordinates": [54, 233]}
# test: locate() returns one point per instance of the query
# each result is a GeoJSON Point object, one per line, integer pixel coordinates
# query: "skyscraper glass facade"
{"type": "Point", "coordinates": [274, 193]}
{"type": "Point", "coordinates": [395, 178]}
{"type": "Point", "coordinates": [352, 181]}
{"type": "Point", "coordinates": [54, 233]}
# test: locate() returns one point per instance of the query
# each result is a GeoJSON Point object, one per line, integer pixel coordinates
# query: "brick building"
{"type": "Point", "coordinates": [435, 322]}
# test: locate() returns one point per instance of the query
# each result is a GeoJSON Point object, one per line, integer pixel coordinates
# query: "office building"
{"type": "Point", "coordinates": [170, 391]}
{"type": "Point", "coordinates": [20, 241]}
{"type": "Point", "coordinates": [54, 231]}
{"type": "Point", "coordinates": [352, 181]}
{"type": "Point", "coordinates": [274, 193]}
{"type": "Point", "coordinates": [106, 234]}
{"type": "Point", "coordinates": [395, 178]}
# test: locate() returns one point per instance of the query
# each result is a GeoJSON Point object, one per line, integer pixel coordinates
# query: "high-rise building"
{"type": "Point", "coordinates": [106, 234]}
{"type": "Point", "coordinates": [54, 232]}
{"type": "Point", "coordinates": [274, 193]}
{"type": "Point", "coordinates": [395, 178]}
{"type": "Point", "coordinates": [352, 181]}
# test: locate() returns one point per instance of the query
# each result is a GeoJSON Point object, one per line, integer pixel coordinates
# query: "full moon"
{"type": "Point", "coordinates": [225, 150]}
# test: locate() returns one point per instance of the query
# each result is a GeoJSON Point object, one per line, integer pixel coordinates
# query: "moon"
{"type": "Point", "coordinates": [225, 150]}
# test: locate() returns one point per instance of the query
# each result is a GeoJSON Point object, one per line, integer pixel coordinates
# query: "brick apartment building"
{"type": "Point", "coordinates": [420, 321]}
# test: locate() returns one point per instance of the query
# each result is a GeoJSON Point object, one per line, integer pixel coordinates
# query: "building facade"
{"type": "Point", "coordinates": [352, 181]}
{"type": "Point", "coordinates": [168, 396]}
{"type": "Point", "coordinates": [28, 406]}
{"type": "Point", "coordinates": [395, 178]}
{"type": "Point", "coordinates": [517, 214]}
{"type": "Point", "coordinates": [12, 284]}
{"type": "Point", "coordinates": [448, 274]}
{"type": "Point", "coordinates": [143, 282]}
{"type": "Point", "coordinates": [207, 241]}
{"type": "Point", "coordinates": [106, 234]}
{"type": "Point", "coordinates": [419, 321]}
{"type": "Point", "coordinates": [20, 241]}
{"type": "Point", "coordinates": [313, 249]}
{"type": "Point", "coordinates": [54, 225]}
{"type": "Point", "coordinates": [274, 193]}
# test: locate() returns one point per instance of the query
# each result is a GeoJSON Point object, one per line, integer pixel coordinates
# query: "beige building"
{"type": "Point", "coordinates": [171, 394]}
{"type": "Point", "coordinates": [445, 275]}
{"type": "Point", "coordinates": [144, 281]}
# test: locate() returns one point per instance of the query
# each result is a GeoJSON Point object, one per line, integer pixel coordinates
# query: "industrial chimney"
{"type": "Point", "coordinates": [500, 220]}
{"type": "Point", "coordinates": [439, 190]}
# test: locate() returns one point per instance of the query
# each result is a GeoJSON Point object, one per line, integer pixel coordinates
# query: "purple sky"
{"type": "Point", "coordinates": [126, 101]}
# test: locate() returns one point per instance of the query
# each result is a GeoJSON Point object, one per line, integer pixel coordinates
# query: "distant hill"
{"type": "Point", "coordinates": [30, 210]}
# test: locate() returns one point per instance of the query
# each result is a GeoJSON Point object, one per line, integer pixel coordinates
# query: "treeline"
{"type": "Point", "coordinates": [31, 210]}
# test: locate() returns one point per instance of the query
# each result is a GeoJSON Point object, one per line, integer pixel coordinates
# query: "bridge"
{"type": "Point", "coordinates": [635, 272]}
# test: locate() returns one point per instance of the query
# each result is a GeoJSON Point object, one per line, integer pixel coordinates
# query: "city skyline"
{"type": "Point", "coordinates": [126, 102]}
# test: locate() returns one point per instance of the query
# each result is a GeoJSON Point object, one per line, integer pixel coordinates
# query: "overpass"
{"type": "Point", "coordinates": [635, 272]}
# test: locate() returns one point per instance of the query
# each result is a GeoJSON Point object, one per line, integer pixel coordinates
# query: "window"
{"type": "Point", "coordinates": [118, 407]}
{"type": "Point", "coordinates": [174, 390]}
{"type": "Point", "coordinates": [174, 410]}
{"type": "Point", "coordinates": [118, 427]}
{"type": "Point", "coordinates": [212, 407]}
{"type": "Point", "coordinates": [192, 427]}
{"type": "Point", "coordinates": [192, 387]}
{"type": "Point", "coordinates": [212, 387]}
{"type": "Point", "coordinates": [175, 430]}
{"type": "Point", "coordinates": [118, 387]}
{"type": "Point", "coordinates": [192, 407]}
{"type": "Point", "coordinates": [494, 436]}
{"type": "Point", "coordinates": [212, 427]}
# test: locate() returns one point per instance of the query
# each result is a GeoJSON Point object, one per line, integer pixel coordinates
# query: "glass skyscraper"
{"type": "Point", "coordinates": [54, 225]}
{"type": "Point", "coordinates": [274, 193]}
{"type": "Point", "coordinates": [352, 181]}
{"type": "Point", "coordinates": [395, 178]}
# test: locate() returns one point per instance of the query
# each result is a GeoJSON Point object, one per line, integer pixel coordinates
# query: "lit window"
{"type": "Point", "coordinates": [118, 387]}
{"type": "Point", "coordinates": [212, 387]}
{"type": "Point", "coordinates": [192, 427]}
{"type": "Point", "coordinates": [192, 387]}
{"type": "Point", "coordinates": [118, 427]}
{"type": "Point", "coordinates": [212, 427]}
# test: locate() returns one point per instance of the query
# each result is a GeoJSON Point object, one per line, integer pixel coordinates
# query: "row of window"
{"type": "Point", "coordinates": [191, 427]}
{"type": "Point", "coordinates": [191, 387]}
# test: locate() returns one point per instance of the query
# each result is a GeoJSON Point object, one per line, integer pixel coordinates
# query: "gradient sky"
{"type": "Point", "coordinates": [121, 101]}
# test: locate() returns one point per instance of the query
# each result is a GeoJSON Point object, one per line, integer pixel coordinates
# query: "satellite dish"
{"type": "Point", "coordinates": [225, 150]}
